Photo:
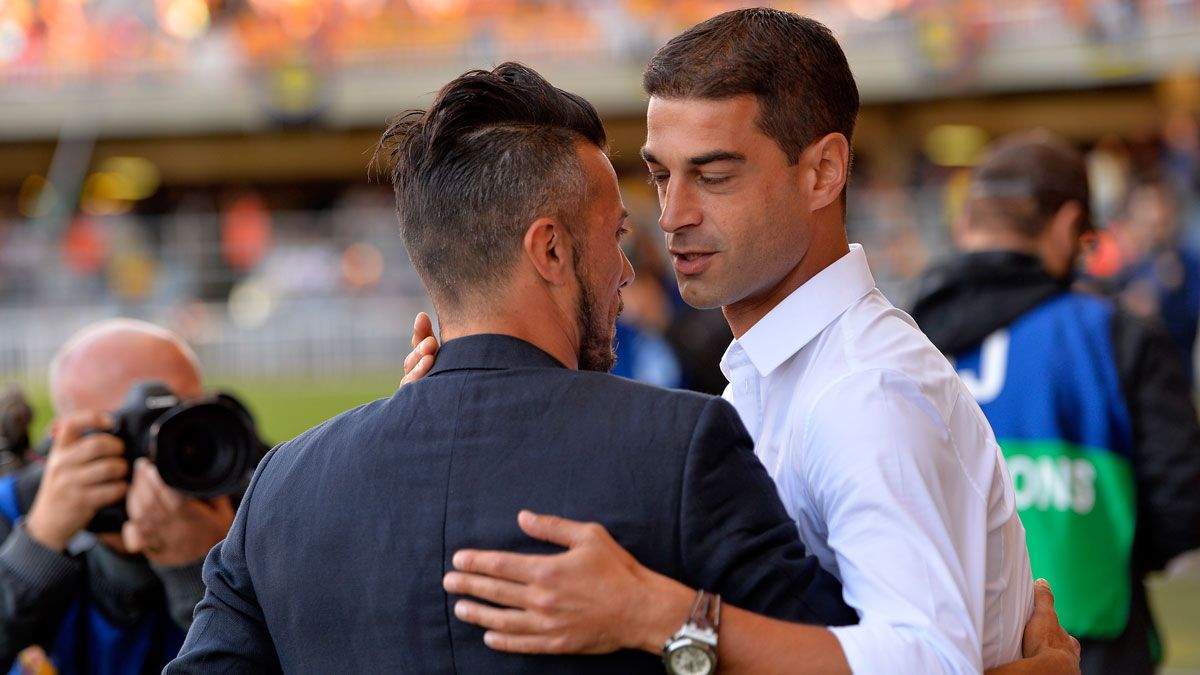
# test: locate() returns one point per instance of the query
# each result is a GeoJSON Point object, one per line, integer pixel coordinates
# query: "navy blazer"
{"type": "Point", "coordinates": [335, 560]}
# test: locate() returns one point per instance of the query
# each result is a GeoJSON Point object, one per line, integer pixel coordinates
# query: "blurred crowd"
{"type": "Point", "coordinates": [47, 42]}
{"type": "Point", "coordinates": [175, 256]}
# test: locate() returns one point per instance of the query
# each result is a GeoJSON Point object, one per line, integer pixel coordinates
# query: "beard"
{"type": "Point", "coordinates": [596, 333]}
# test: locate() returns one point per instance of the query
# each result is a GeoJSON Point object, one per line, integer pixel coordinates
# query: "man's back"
{"type": "Point", "coordinates": [377, 500]}
{"type": "Point", "coordinates": [1098, 427]}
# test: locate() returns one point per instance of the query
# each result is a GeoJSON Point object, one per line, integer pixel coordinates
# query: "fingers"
{"type": "Point", "coordinates": [416, 372]}
{"type": "Point", "coordinates": [498, 591]}
{"type": "Point", "coordinates": [142, 503]}
{"type": "Point", "coordinates": [420, 360]}
{"type": "Point", "coordinates": [99, 496]}
{"type": "Point", "coordinates": [148, 481]}
{"type": "Point", "coordinates": [516, 567]}
{"type": "Point", "coordinates": [100, 471]}
{"type": "Point", "coordinates": [498, 618]}
{"type": "Point", "coordinates": [526, 644]}
{"type": "Point", "coordinates": [89, 449]}
{"type": "Point", "coordinates": [413, 357]}
{"type": "Point", "coordinates": [561, 531]}
{"type": "Point", "coordinates": [69, 429]}
{"type": "Point", "coordinates": [410, 361]}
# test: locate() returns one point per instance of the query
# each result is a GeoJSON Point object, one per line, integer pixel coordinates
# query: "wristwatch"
{"type": "Point", "coordinates": [692, 650]}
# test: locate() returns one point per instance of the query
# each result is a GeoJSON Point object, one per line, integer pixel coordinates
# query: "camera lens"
{"type": "Point", "coordinates": [203, 449]}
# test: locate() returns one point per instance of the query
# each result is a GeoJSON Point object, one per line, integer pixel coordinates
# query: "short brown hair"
{"type": "Point", "coordinates": [1024, 179]}
{"type": "Point", "coordinates": [791, 64]}
{"type": "Point", "coordinates": [495, 151]}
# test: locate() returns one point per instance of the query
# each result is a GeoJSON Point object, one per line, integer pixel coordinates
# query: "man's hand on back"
{"type": "Point", "coordinates": [424, 352]}
{"type": "Point", "coordinates": [1047, 647]}
{"type": "Point", "coordinates": [83, 475]}
{"type": "Point", "coordinates": [1044, 635]}
{"type": "Point", "coordinates": [170, 528]}
{"type": "Point", "coordinates": [593, 598]}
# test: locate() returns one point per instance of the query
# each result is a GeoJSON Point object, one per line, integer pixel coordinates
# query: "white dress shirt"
{"type": "Point", "coordinates": [891, 472]}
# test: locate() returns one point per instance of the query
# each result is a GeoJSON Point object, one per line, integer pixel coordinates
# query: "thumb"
{"type": "Point", "coordinates": [422, 329]}
{"type": "Point", "coordinates": [1043, 597]}
{"type": "Point", "coordinates": [554, 529]}
{"type": "Point", "coordinates": [131, 536]}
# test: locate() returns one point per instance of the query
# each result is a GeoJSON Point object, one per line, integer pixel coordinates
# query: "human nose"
{"type": "Point", "coordinates": [627, 273]}
{"type": "Point", "coordinates": [679, 208]}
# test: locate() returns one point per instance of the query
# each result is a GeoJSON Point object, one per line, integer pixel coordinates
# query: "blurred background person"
{"type": "Point", "coordinates": [115, 597]}
{"type": "Point", "coordinates": [1091, 405]}
{"type": "Point", "coordinates": [1160, 278]}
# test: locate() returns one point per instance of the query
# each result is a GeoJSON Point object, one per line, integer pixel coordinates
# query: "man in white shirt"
{"type": "Point", "coordinates": [879, 453]}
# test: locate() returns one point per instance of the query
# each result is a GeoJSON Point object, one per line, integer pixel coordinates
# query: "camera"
{"type": "Point", "coordinates": [203, 448]}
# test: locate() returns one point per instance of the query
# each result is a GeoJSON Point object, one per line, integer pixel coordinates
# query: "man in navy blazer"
{"type": "Point", "coordinates": [335, 560]}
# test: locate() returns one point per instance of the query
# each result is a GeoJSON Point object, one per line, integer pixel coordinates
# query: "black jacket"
{"type": "Point", "coordinates": [966, 299]}
{"type": "Point", "coordinates": [335, 560]}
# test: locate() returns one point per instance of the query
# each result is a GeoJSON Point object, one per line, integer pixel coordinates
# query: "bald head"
{"type": "Point", "coordinates": [98, 365]}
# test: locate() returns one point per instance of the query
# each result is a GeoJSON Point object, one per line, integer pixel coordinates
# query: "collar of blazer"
{"type": "Point", "coordinates": [490, 352]}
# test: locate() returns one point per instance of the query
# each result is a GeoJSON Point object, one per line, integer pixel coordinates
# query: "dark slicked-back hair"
{"type": "Point", "coordinates": [1024, 179]}
{"type": "Point", "coordinates": [792, 64]}
{"type": "Point", "coordinates": [496, 151]}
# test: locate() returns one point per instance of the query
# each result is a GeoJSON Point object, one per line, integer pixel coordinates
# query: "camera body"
{"type": "Point", "coordinates": [202, 448]}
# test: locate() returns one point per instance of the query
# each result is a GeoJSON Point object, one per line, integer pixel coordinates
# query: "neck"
{"type": "Point", "coordinates": [821, 253]}
{"type": "Point", "coordinates": [982, 239]}
{"type": "Point", "coordinates": [536, 319]}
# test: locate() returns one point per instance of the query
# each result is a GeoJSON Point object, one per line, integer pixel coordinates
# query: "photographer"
{"type": "Point", "coordinates": [116, 601]}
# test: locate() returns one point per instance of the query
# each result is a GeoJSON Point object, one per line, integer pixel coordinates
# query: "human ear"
{"type": "Point", "coordinates": [548, 249]}
{"type": "Point", "coordinates": [1064, 232]}
{"type": "Point", "coordinates": [829, 163]}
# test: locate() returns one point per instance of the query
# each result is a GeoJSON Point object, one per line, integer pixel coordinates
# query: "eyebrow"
{"type": "Point", "coordinates": [700, 160]}
{"type": "Point", "coordinates": [624, 217]}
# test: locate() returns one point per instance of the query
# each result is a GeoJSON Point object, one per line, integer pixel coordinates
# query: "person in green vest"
{"type": "Point", "coordinates": [1091, 405]}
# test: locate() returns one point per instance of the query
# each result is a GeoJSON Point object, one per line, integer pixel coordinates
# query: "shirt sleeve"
{"type": "Point", "coordinates": [906, 522]}
{"type": "Point", "coordinates": [184, 587]}
{"type": "Point", "coordinates": [35, 583]}
{"type": "Point", "coordinates": [738, 540]}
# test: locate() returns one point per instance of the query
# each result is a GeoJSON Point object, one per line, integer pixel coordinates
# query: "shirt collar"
{"type": "Point", "coordinates": [490, 352]}
{"type": "Point", "coordinates": [803, 314]}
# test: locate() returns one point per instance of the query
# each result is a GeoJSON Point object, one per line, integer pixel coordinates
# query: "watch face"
{"type": "Point", "coordinates": [690, 660]}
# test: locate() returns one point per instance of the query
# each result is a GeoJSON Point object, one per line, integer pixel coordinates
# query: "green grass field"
{"type": "Point", "coordinates": [285, 408]}
{"type": "Point", "coordinates": [282, 408]}
{"type": "Point", "coordinates": [1176, 602]}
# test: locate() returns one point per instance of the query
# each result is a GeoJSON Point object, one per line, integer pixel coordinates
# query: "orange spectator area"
{"type": "Point", "coordinates": [46, 42]}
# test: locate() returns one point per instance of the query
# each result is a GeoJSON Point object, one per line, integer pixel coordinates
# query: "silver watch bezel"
{"type": "Point", "coordinates": [691, 635]}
